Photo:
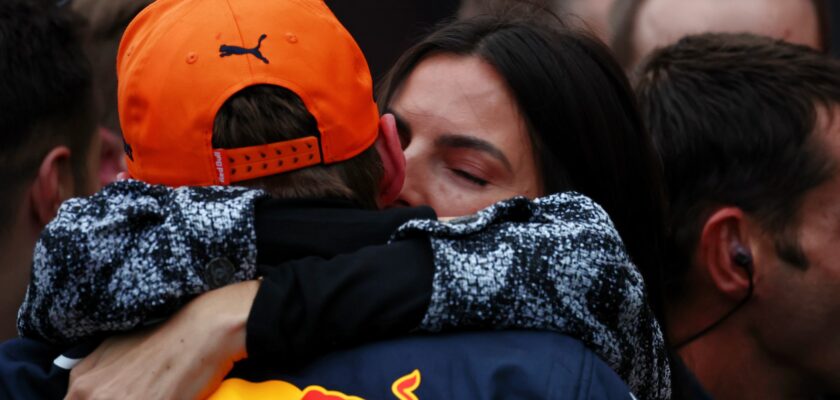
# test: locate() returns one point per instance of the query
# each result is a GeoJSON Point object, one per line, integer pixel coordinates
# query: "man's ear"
{"type": "Point", "coordinates": [393, 160]}
{"type": "Point", "coordinates": [723, 251]}
{"type": "Point", "coordinates": [52, 185]}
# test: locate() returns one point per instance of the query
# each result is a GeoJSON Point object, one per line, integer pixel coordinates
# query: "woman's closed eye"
{"type": "Point", "coordinates": [469, 177]}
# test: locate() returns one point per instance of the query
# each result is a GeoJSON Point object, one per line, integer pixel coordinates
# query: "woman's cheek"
{"type": "Point", "coordinates": [452, 196]}
{"type": "Point", "coordinates": [453, 200]}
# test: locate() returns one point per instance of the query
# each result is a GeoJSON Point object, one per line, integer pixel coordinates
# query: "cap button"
{"type": "Point", "coordinates": [192, 57]}
{"type": "Point", "coordinates": [291, 38]}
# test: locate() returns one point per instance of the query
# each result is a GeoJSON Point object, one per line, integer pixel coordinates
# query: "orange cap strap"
{"type": "Point", "coordinates": [244, 163]}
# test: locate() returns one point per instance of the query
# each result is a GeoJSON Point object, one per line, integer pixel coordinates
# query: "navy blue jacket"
{"type": "Point", "coordinates": [480, 365]}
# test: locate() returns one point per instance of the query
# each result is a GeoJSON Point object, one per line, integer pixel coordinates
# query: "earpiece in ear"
{"type": "Point", "coordinates": [742, 257]}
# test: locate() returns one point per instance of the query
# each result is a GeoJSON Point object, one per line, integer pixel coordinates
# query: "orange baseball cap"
{"type": "Point", "coordinates": [180, 60]}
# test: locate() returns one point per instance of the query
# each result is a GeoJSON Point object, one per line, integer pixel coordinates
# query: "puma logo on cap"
{"type": "Point", "coordinates": [226, 50]}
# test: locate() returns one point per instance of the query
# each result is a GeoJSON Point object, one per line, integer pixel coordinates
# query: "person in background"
{"type": "Point", "coordinates": [49, 149]}
{"type": "Point", "coordinates": [748, 129]}
{"type": "Point", "coordinates": [591, 15]}
{"type": "Point", "coordinates": [637, 27]}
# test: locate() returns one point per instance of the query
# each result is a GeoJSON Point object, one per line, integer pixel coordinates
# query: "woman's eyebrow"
{"type": "Point", "coordinates": [473, 143]}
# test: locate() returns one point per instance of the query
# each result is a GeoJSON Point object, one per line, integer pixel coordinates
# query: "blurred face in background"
{"type": "Point", "coordinates": [592, 15]}
{"type": "Point", "coordinates": [466, 144]}
{"type": "Point", "coordinates": [662, 22]}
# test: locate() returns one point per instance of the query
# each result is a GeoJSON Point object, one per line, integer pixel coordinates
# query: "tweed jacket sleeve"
{"type": "Point", "coordinates": [556, 263]}
{"type": "Point", "coordinates": [132, 254]}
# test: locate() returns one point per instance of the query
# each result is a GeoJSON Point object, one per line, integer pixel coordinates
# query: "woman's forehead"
{"type": "Point", "coordinates": [462, 93]}
{"type": "Point", "coordinates": [449, 96]}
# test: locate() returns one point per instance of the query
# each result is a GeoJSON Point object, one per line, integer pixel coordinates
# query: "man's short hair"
{"type": "Point", "coordinates": [733, 117]}
{"type": "Point", "coordinates": [45, 95]}
{"type": "Point", "coordinates": [624, 15]}
{"type": "Point", "coordinates": [265, 114]}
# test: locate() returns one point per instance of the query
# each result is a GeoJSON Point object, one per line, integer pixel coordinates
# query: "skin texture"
{"type": "Point", "coordinates": [445, 96]}
{"type": "Point", "coordinates": [393, 161]}
{"type": "Point", "coordinates": [594, 14]}
{"type": "Point", "coordinates": [801, 307]}
{"type": "Point", "coordinates": [661, 22]}
{"type": "Point", "coordinates": [465, 150]}
{"type": "Point", "coordinates": [111, 157]}
{"type": "Point", "coordinates": [219, 312]}
{"type": "Point", "coordinates": [783, 343]}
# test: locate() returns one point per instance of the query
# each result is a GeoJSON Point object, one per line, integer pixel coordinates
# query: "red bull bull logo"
{"type": "Point", "coordinates": [238, 389]}
{"type": "Point", "coordinates": [404, 387]}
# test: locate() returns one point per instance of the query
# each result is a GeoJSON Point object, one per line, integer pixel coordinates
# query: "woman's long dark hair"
{"type": "Point", "coordinates": [582, 119]}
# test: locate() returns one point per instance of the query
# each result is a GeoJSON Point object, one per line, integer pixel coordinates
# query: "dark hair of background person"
{"type": "Point", "coordinates": [106, 21]}
{"type": "Point", "coordinates": [45, 95]}
{"type": "Point", "coordinates": [624, 14]}
{"type": "Point", "coordinates": [733, 117]}
{"type": "Point", "coordinates": [581, 115]}
{"type": "Point", "coordinates": [265, 114]}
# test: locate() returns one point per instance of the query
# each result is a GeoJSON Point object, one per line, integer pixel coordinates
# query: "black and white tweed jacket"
{"type": "Point", "coordinates": [133, 253]}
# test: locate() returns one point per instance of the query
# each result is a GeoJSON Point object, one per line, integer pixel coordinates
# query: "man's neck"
{"type": "Point", "coordinates": [730, 364]}
{"type": "Point", "coordinates": [15, 265]}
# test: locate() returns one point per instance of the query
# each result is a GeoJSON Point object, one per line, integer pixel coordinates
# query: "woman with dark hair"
{"type": "Point", "coordinates": [487, 109]}
{"type": "Point", "coordinates": [549, 103]}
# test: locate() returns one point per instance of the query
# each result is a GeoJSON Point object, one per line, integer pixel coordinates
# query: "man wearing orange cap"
{"type": "Point", "coordinates": [214, 92]}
